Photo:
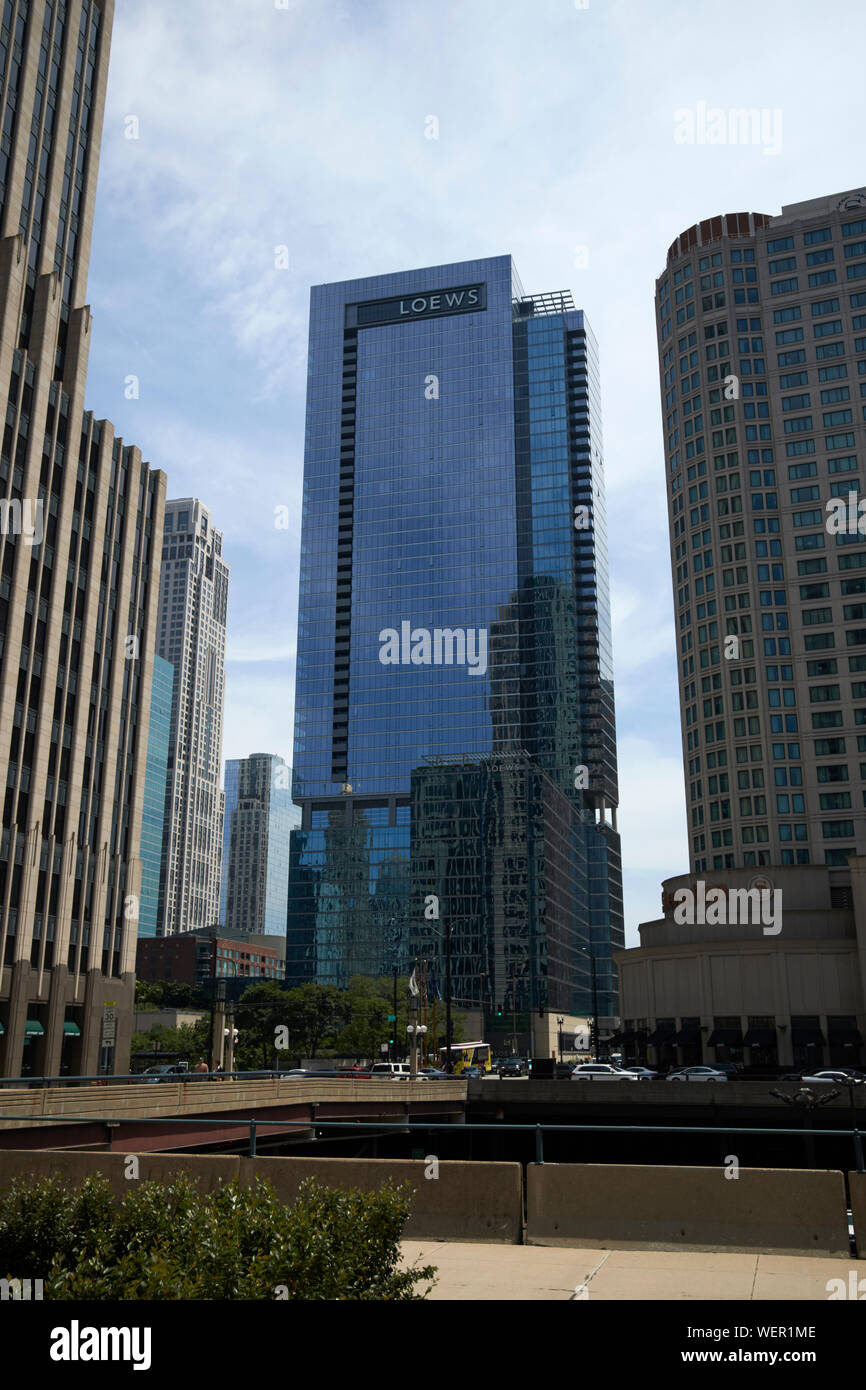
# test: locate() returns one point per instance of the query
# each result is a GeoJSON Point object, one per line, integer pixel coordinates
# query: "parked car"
{"type": "Point", "coordinates": [642, 1073]}
{"type": "Point", "coordinates": [733, 1071]}
{"type": "Point", "coordinates": [696, 1074]}
{"type": "Point", "coordinates": [472, 1073]}
{"type": "Point", "coordinates": [511, 1066]}
{"type": "Point", "coordinates": [434, 1074]}
{"type": "Point", "coordinates": [356, 1073]}
{"type": "Point", "coordinates": [601, 1071]}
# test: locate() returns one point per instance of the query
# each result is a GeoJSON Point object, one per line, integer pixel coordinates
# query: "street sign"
{"type": "Point", "coordinates": [383, 1047]}
{"type": "Point", "coordinates": [392, 1018]}
{"type": "Point", "coordinates": [109, 1025]}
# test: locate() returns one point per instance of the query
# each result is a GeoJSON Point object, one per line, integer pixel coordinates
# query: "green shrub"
{"type": "Point", "coordinates": [167, 1241]}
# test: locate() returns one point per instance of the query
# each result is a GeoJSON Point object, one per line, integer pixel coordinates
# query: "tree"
{"type": "Point", "coordinates": [189, 1041]}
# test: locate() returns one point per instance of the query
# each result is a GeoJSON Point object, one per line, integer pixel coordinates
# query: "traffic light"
{"type": "Point", "coordinates": [498, 1011]}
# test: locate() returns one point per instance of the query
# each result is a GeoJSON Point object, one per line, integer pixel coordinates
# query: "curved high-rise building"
{"type": "Point", "coordinates": [762, 350]}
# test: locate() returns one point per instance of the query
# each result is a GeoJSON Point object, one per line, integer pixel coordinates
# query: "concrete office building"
{"type": "Point", "coordinates": [79, 546]}
{"type": "Point", "coordinates": [191, 635]}
{"type": "Point", "coordinates": [454, 644]}
{"type": "Point", "coordinates": [258, 825]}
{"type": "Point", "coordinates": [762, 351]}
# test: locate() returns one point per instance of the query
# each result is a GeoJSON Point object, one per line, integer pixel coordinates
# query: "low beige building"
{"type": "Point", "coordinates": [784, 983]}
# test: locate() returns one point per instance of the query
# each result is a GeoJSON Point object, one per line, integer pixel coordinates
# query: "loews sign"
{"type": "Point", "coordinates": [430, 304]}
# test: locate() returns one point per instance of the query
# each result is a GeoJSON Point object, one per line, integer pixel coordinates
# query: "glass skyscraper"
{"type": "Point", "coordinates": [454, 658]}
{"type": "Point", "coordinates": [153, 810]}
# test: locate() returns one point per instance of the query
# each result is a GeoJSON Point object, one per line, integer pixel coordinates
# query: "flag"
{"type": "Point", "coordinates": [413, 984]}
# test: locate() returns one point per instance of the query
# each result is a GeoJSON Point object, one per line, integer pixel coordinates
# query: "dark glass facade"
{"type": "Point", "coordinates": [454, 637]}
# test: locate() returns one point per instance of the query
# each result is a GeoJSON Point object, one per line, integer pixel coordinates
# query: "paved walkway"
{"type": "Point", "coordinates": [520, 1272]}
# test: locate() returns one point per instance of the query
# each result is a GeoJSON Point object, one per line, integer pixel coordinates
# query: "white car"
{"type": "Point", "coordinates": [841, 1078]}
{"type": "Point", "coordinates": [642, 1073]}
{"type": "Point", "coordinates": [394, 1071]}
{"type": "Point", "coordinates": [697, 1074]}
{"type": "Point", "coordinates": [601, 1071]}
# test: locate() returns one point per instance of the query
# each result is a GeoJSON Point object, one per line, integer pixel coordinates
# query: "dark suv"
{"type": "Point", "coordinates": [512, 1066]}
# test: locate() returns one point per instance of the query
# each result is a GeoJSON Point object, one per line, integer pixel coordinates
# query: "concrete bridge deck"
{"type": "Point", "coordinates": [25, 1114]}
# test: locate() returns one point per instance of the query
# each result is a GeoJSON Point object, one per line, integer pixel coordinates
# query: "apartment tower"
{"type": "Point", "coordinates": [762, 353]}
{"type": "Point", "coordinates": [191, 636]}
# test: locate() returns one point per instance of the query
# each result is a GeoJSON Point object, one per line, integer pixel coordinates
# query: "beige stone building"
{"type": "Point", "coordinates": [784, 987]}
{"type": "Point", "coordinates": [79, 554]}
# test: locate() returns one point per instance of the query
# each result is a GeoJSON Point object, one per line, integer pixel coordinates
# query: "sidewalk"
{"type": "Point", "coordinates": [519, 1272]}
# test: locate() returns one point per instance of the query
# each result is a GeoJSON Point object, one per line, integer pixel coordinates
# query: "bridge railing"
{"type": "Point", "coordinates": [253, 1123]}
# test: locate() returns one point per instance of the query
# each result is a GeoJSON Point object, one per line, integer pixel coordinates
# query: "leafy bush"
{"type": "Point", "coordinates": [167, 1241]}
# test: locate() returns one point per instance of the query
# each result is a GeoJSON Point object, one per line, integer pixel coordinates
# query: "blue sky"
{"type": "Point", "coordinates": [304, 127]}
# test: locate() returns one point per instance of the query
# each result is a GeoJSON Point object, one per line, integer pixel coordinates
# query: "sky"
{"type": "Point", "coordinates": [253, 148]}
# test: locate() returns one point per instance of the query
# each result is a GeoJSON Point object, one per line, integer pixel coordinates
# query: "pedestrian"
{"type": "Point", "coordinates": [201, 1065]}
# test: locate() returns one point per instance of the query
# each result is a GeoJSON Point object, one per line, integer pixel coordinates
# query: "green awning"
{"type": "Point", "coordinates": [2, 1029]}
{"type": "Point", "coordinates": [33, 1028]}
{"type": "Point", "coordinates": [71, 1030]}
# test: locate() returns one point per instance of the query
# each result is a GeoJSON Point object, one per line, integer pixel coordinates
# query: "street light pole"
{"type": "Point", "coordinates": [449, 1063]}
{"type": "Point", "coordinates": [594, 1003]}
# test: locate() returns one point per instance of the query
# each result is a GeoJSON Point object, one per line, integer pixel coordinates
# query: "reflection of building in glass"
{"type": "Point", "coordinates": [258, 831]}
{"type": "Point", "coordinates": [507, 851]}
{"type": "Point", "coordinates": [453, 480]}
{"type": "Point", "coordinates": [350, 899]}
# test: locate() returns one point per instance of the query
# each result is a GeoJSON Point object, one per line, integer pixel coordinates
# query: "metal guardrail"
{"type": "Point", "coordinates": [407, 1126]}
{"type": "Point", "coordinates": [57, 1082]}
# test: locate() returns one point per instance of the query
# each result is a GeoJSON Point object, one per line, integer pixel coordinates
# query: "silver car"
{"type": "Point", "coordinates": [697, 1074]}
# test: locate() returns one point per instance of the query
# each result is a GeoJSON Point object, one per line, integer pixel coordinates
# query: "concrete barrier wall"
{"type": "Point", "coordinates": [774, 1210]}
{"type": "Point", "coordinates": [857, 1188]}
{"type": "Point", "coordinates": [468, 1201]}
{"type": "Point", "coordinates": [206, 1170]}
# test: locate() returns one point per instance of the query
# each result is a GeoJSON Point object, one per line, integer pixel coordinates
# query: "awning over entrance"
{"type": "Point", "coordinates": [686, 1036]}
{"type": "Point", "coordinates": [844, 1037]}
{"type": "Point", "coordinates": [760, 1037]}
{"type": "Point", "coordinates": [725, 1037]}
{"type": "Point", "coordinates": [71, 1030]}
{"type": "Point", "coordinates": [807, 1037]}
{"type": "Point", "coordinates": [661, 1035]}
{"type": "Point", "coordinates": [33, 1028]}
